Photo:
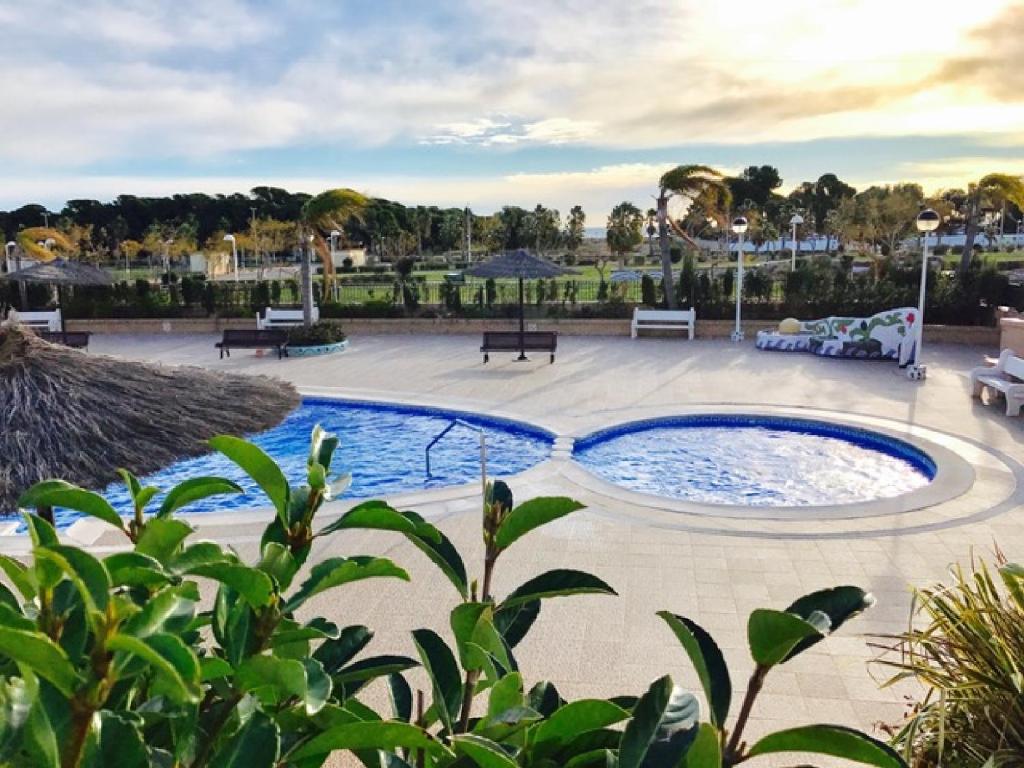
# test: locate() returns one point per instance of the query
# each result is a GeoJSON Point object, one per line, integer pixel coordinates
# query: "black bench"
{"type": "Point", "coordinates": [247, 339]}
{"type": "Point", "coordinates": [76, 339]}
{"type": "Point", "coordinates": [516, 341]}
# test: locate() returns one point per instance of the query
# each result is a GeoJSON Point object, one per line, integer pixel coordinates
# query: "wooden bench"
{"type": "Point", "coordinates": [74, 339]}
{"type": "Point", "coordinates": [1006, 377]}
{"type": "Point", "coordinates": [246, 339]}
{"type": "Point", "coordinates": [283, 318]}
{"type": "Point", "coordinates": [515, 341]}
{"type": "Point", "coordinates": [663, 319]}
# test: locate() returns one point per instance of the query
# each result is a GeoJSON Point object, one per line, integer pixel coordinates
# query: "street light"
{"type": "Point", "coordinates": [795, 222]}
{"type": "Point", "coordinates": [234, 252]}
{"type": "Point", "coordinates": [8, 250]}
{"type": "Point", "coordinates": [739, 226]}
{"type": "Point", "coordinates": [927, 221]}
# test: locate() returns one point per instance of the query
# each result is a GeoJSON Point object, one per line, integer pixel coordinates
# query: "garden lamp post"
{"type": "Point", "coordinates": [739, 226]}
{"type": "Point", "coordinates": [335, 236]}
{"type": "Point", "coordinates": [8, 250]}
{"type": "Point", "coordinates": [234, 252]}
{"type": "Point", "coordinates": [927, 221]}
{"type": "Point", "coordinates": [796, 221]}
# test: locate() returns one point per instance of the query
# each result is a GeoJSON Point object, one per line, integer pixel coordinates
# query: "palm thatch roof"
{"type": "Point", "coordinates": [78, 417]}
{"type": "Point", "coordinates": [520, 264]}
{"type": "Point", "coordinates": [60, 272]}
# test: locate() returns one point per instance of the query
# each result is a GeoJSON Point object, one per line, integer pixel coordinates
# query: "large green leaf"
{"type": "Point", "coordinates": [833, 740]}
{"type": "Point", "coordinates": [506, 694]}
{"type": "Point", "coordinates": [374, 515]}
{"type": "Point", "coordinates": [838, 603]}
{"type": "Point", "coordinates": [161, 537]}
{"type": "Point", "coordinates": [379, 734]}
{"type": "Point", "coordinates": [533, 514]}
{"type": "Point", "coordinates": [707, 661]}
{"type": "Point", "coordinates": [373, 667]}
{"type": "Point", "coordinates": [271, 678]}
{"type": "Point", "coordinates": [400, 694]}
{"type": "Point", "coordinates": [476, 639]}
{"type": "Point", "coordinates": [277, 562]}
{"type": "Point", "coordinates": [576, 718]}
{"type": "Point", "coordinates": [40, 654]}
{"type": "Point", "coordinates": [773, 635]}
{"type": "Point", "coordinates": [484, 752]}
{"type": "Point", "coordinates": [706, 750]}
{"type": "Point", "coordinates": [251, 583]}
{"type": "Point", "coordinates": [194, 489]}
{"type": "Point", "coordinates": [663, 726]}
{"type": "Point", "coordinates": [513, 623]}
{"type": "Point", "coordinates": [57, 493]}
{"type": "Point", "coordinates": [39, 737]}
{"type": "Point", "coordinates": [168, 607]}
{"type": "Point", "coordinates": [176, 667]}
{"type": "Point", "coordinates": [439, 662]}
{"type": "Point", "coordinates": [259, 466]}
{"type": "Point", "coordinates": [85, 571]}
{"type": "Point", "coordinates": [20, 576]}
{"type": "Point", "coordinates": [318, 686]}
{"type": "Point", "coordinates": [334, 654]}
{"type": "Point", "coordinates": [133, 569]}
{"type": "Point", "coordinates": [560, 582]}
{"type": "Point", "coordinates": [336, 571]}
{"type": "Point", "coordinates": [436, 546]}
{"type": "Point", "coordinates": [200, 553]}
{"type": "Point", "coordinates": [119, 742]}
{"type": "Point", "coordinates": [257, 744]}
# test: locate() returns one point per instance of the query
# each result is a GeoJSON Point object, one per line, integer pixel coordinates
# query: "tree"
{"type": "Point", "coordinates": [624, 232]}
{"type": "Point", "coordinates": [688, 182]}
{"type": "Point", "coordinates": [821, 197]}
{"type": "Point", "coordinates": [542, 226]}
{"type": "Point", "coordinates": [756, 183]}
{"type": "Point", "coordinates": [329, 210]}
{"type": "Point", "coordinates": [989, 192]}
{"type": "Point", "coordinates": [574, 228]}
{"type": "Point", "coordinates": [880, 216]}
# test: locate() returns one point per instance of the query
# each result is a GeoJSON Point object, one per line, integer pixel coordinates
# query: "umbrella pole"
{"type": "Point", "coordinates": [522, 323]}
{"type": "Point", "coordinates": [60, 306]}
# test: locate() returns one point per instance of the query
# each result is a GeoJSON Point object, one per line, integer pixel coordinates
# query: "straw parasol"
{"type": "Point", "coordinates": [60, 272]}
{"type": "Point", "coordinates": [522, 266]}
{"type": "Point", "coordinates": [78, 417]}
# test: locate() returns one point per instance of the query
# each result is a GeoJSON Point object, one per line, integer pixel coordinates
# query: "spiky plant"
{"type": "Point", "coordinates": [969, 655]}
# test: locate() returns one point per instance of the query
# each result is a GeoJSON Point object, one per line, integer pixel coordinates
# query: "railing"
{"type": "Point", "coordinates": [483, 447]}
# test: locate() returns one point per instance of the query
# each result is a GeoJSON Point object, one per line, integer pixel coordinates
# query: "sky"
{"type": "Point", "coordinates": [493, 102]}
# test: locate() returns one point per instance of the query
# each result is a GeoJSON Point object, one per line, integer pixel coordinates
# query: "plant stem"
{"type": "Point", "coordinates": [469, 688]}
{"type": "Point", "coordinates": [81, 719]}
{"type": "Point", "coordinates": [215, 728]}
{"type": "Point", "coordinates": [732, 756]}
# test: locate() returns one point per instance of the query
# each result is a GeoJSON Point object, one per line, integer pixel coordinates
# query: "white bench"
{"type": "Point", "coordinates": [39, 321]}
{"type": "Point", "coordinates": [1006, 376]}
{"type": "Point", "coordinates": [283, 318]}
{"type": "Point", "coordinates": [664, 319]}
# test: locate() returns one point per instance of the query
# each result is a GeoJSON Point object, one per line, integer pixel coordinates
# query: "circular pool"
{"type": "Point", "coordinates": [755, 461]}
{"type": "Point", "coordinates": [382, 447]}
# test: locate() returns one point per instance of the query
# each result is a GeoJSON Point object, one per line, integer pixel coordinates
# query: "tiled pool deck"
{"type": "Point", "coordinates": [713, 569]}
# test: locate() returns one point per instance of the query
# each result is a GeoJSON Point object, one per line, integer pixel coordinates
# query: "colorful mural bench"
{"type": "Point", "coordinates": [888, 335]}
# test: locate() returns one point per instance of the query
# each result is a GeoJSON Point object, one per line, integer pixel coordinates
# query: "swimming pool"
{"type": "Point", "coordinates": [756, 461]}
{"type": "Point", "coordinates": [382, 446]}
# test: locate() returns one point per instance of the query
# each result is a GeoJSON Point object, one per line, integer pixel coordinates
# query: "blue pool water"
{"type": "Point", "coordinates": [382, 447]}
{"type": "Point", "coordinates": [755, 461]}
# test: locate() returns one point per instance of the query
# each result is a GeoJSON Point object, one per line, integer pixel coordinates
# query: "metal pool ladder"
{"type": "Point", "coordinates": [483, 446]}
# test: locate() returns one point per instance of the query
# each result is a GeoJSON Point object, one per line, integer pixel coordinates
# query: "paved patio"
{"type": "Point", "coordinates": [713, 570]}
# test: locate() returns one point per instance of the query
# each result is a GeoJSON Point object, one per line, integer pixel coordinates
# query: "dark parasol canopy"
{"type": "Point", "coordinates": [79, 417]}
{"type": "Point", "coordinates": [522, 266]}
{"type": "Point", "coordinates": [60, 272]}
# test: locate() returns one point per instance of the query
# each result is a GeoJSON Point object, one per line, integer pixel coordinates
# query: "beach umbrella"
{"type": "Point", "coordinates": [60, 272]}
{"type": "Point", "coordinates": [521, 266]}
{"type": "Point", "coordinates": [77, 417]}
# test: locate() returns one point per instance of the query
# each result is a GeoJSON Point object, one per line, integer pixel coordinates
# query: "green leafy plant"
{"type": "Point", "coordinates": [110, 660]}
{"type": "Point", "coordinates": [968, 652]}
{"type": "Point", "coordinates": [317, 334]}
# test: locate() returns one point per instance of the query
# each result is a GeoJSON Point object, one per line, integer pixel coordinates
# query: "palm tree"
{"type": "Point", "coordinates": [990, 191]}
{"type": "Point", "coordinates": [328, 211]}
{"type": "Point", "coordinates": [686, 181]}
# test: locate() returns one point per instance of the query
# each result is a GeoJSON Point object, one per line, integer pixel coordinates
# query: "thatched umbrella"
{"type": "Point", "coordinates": [522, 266]}
{"type": "Point", "coordinates": [60, 272]}
{"type": "Point", "coordinates": [65, 414]}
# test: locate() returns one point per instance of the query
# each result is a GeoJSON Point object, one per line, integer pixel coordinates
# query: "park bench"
{"type": "Point", "coordinates": [75, 339]}
{"type": "Point", "coordinates": [663, 319]}
{"type": "Point", "coordinates": [283, 318]}
{"type": "Point", "coordinates": [247, 339]}
{"type": "Point", "coordinates": [37, 320]}
{"type": "Point", "coordinates": [1006, 377]}
{"type": "Point", "coordinates": [519, 341]}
